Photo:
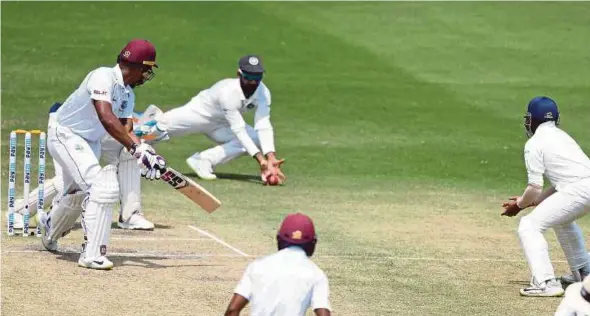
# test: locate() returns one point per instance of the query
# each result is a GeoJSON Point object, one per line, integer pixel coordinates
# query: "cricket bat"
{"type": "Point", "coordinates": [191, 189]}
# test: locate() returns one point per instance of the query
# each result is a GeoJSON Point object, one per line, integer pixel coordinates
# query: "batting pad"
{"type": "Point", "coordinates": [49, 193]}
{"type": "Point", "coordinates": [97, 216]}
{"type": "Point", "coordinates": [130, 185]}
{"type": "Point", "coordinates": [63, 216]}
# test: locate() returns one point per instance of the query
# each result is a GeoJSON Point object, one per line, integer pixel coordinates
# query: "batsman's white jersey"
{"type": "Point", "coordinates": [102, 84]}
{"type": "Point", "coordinates": [552, 153]}
{"type": "Point", "coordinates": [218, 110]}
{"type": "Point", "coordinates": [285, 283]}
{"type": "Point", "coordinates": [74, 139]}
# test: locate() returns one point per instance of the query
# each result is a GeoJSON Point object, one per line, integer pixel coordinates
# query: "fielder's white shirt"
{"type": "Point", "coordinates": [224, 102]}
{"type": "Point", "coordinates": [555, 154]}
{"type": "Point", "coordinates": [102, 84]}
{"type": "Point", "coordinates": [286, 283]}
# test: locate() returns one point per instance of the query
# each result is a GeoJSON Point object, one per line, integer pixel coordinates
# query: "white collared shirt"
{"type": "Point", "coordinates": [224, 102]}
{"type": "Point", "coordinates": [286, 283]}
{"type": "Point", "coordinates": [555, 154]}
{"type": "Point", "coordinates": [102, 84]}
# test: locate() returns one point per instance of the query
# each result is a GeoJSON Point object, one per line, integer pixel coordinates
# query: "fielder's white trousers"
{"type": "Point", "coordinates": [184, 120]}
{"type": "Point", "coordinates": [559, 211]}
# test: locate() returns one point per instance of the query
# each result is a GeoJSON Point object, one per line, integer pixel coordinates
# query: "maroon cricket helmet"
{"type": "Point", "coordinates": [139, 52]}
{"type": "Point", "coordinates": [297, 229]}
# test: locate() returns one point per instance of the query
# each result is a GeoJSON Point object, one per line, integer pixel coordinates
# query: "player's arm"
{"type": "Point", "coordinates": [112, 124]}
{"type": "Point", "coordinates": [128, 123]}
{"type": "Point", "coordinates": [238, 127]}
{"type": "Point", "coordinates": [237, 303]}
{"type": "Point", "coordinates": [241, 294]}
{"type": "Point", "coordinates": [533, 158]}
{"type": "Point", "coordinates": [265, 133]}
{"type": "Point", "coordinates": [320, 302]}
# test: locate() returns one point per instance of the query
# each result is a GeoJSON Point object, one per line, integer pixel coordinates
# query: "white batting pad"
{"type": "Point", "coordinates": [130, 185]}
{"type": "Point", "coordinates": [63, 216]}
{"type": "Point", "coordinates": [50, 192]}
{"type": "Point", "coordinates": [97, 216]}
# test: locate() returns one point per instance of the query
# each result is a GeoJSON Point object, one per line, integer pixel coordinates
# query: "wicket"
{"type": "Point", "coordinates": [26, 178]}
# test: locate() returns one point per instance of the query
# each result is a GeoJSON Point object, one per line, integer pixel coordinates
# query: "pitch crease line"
{"type": "Point", "coordinates": [219, 240]}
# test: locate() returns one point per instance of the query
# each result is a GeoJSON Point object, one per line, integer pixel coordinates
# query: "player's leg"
{"type": "Point", "coordinates": [181, 121]}
{"type": "Point", "coordinates": [229, 148]}
{"type": "Point", "coordinates": [129, 175]}
{"type": "Point", "coordinates": [97, 218]}
{"type": "Point", "coordinates": [558, 209]}
{"type": "Point", "coordinates": [79, 162]}
{"type": "Point", "coordinates": [571, 239]}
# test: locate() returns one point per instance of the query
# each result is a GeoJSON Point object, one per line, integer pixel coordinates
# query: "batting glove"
{"type": "Point", "coordinates": [152, 165]}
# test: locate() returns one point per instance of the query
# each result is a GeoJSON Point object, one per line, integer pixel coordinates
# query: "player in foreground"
{"type": "Point", "coordinates": [217, 113]}
{"type": "Point", "coordinates": [552, 153]}
{"type": "Point", "coordinates": [128, 172]}
{"type": "Point", "coordinates": [286, 282]}
{"type": "Point", "coordinates": [103, 103]}
{"type": "Point", "coordinates": [576, 301]}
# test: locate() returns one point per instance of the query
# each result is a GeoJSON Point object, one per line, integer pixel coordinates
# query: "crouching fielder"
{"type": "Point", "coordinates": [552, 153]}
{"type": "Point", "coordinates": [102, 103]}
{"type": "Point", "coordinates": [217, 113]}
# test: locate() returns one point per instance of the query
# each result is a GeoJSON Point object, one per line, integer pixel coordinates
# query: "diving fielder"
{"type": "Point", "coordinates": [103, 103]}
{"type": "Point", "coordinates": [552, 153]}
{"type": "Point", "coordinates": [217, 113]}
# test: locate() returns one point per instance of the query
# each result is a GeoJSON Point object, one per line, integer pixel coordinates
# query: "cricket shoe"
{"type": "Point", "coordinates": [201, 167]}
{"type": "Point", "coordinates": [49, 244]}
{"type": "Point", "coordinates": [136, 222]}
{"type": "Point", "coordinates": [549, 288]}
{"type": "Point", "coordinates": [100, 263]}
{"type": "Point", "coordinates": [18, 220]}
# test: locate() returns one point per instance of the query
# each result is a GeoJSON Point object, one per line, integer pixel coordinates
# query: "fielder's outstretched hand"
{"type": "Point", "coordinates": [151, 164]}
{"type": "Point", "coordinates": [510, 207]}
{"type": "Point", "coordinates": [276, 163]}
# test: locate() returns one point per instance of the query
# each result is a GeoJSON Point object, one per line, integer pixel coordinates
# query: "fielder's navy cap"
{"type": "Point", "coordinates": [251, 64]}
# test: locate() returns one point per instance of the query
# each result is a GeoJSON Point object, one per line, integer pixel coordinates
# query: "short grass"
{"type": "Point", "coordinates": [400, 122]}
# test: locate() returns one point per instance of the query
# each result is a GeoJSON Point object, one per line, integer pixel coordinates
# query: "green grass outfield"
{"type": "Point", "coordinates": [401, 124]}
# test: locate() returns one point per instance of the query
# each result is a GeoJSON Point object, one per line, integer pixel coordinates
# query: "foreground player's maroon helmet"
{"type": "Point", "coordinates": [139, 52]}
{"type": "Point", "coordinates": [297, 229]}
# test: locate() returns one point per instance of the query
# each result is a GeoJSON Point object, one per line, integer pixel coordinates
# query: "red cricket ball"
{"type": "Point", "coordinates": [272, 180]}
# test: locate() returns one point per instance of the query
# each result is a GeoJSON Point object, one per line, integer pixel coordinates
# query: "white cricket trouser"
{"type": "Point", "coordinates": [558, 211]}
{"type": "Point", "coordinates": [75, 157]}
{"type": "Point", "coordinates": [184, 120]}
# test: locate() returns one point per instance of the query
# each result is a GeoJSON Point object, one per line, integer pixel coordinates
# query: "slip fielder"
{"type": "Point", "coordinates": [552, 153]}
{"type": "Point", "coordinates": [217, 113]}
{"type": "Point", "coordinates": [103, 103]}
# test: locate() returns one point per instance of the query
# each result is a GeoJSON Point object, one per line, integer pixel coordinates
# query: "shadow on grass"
{"type": "Point", "coordinates": [232, 176]}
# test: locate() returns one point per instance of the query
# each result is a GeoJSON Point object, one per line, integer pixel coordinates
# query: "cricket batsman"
{"type": "Point", "coordinates": [552, 153]}
{"type": "Point", "coordinates": [217, 113]}
{"type": "Point", "coordinates": [103, 103]}
{"type": "Point", "coordinates": [131, 216]}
